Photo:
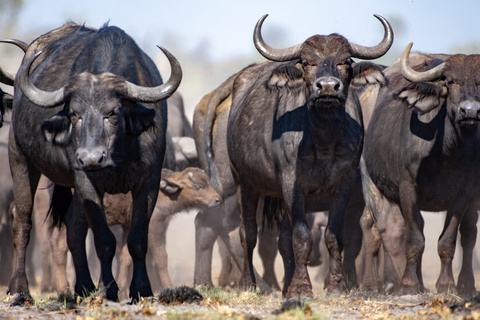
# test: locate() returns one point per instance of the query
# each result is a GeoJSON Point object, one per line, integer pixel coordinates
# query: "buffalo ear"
{"type": "Point", "coordinates": [422, 97]}
{"type": "Point", "coordinates": [7, 101]}
{"type": "Point", "coordinates": [364, 73]}
{"type": "Point", "coordinates": [287, 75]}
{"type": "Point", "coordinates": [5, 104]}
{"type": "Point", "coordinates": [169, 187]}
{"type": "Point", "coordinates": [138, 119]}
{"type": "Point", "coordinates": [57, 129]}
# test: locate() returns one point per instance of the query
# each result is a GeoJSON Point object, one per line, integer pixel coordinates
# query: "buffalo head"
{"type": "Point", "coordinates": [323, 63]}
{"type": "Point", "coordinates": [100, 110]}
{"type": "Point", "coordinates": [454, 81]}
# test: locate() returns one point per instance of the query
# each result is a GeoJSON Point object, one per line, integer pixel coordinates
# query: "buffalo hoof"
{"type": "Point", "coordinates": [446, 288]}
{"type": "Point", "coordinates": [299, 290]}
{"type": "Point", "coordinates": [20, 299]}
{"type": "Point", "coordinates": [292, 304]}
{"type": "Point", "coordinates": [112, 292]}
{"type": "Point", "coordinates": [136, 293]}
{"type": "Point", "coordinates": [404, 290]}
{"type": "Point", "coordinates": [466, 290]}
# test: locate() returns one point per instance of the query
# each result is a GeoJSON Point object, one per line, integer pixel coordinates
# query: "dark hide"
{"type": "Point", "coordinates": [97, 141]}
{"type": "Point", "coordinates": [421, 152]}
{"type": "Point", "coordinates": [295, 132]}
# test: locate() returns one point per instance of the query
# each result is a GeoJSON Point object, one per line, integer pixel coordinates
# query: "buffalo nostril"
{"type": "Point", "coordinates": [337, 87]}
{"type": "Point", "coordinates": [100, 160]}
{"type": "Point", "coordinates": [80, 160]}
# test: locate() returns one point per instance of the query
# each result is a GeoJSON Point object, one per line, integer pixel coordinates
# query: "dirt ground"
{"type": "Point", "coordinates": [220, 304]}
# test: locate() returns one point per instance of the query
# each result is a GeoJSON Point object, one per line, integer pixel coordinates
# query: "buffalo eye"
{"type": "Point", "coordinates": [305, 63]}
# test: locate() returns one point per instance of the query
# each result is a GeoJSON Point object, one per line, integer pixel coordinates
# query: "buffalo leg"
{"type": "Point", "coordinates": [25, 181]}
{"type": "Point", "coordinates": [267, 250]}
{"type": "Point", "coordinates": [415, 240]}
{"type": "Point", "coordinates": [144, 201]}
{"type": "Point", "coordinates": [391, 227]}
{"type": "Point", "coordinates": [248, 233]}
{"type": "Point", "coordinates": [371, 246]}
{"type": "Point", "coordinates": [59, 250]}
{"type": "Point", "coordinates": [335, 281]}
{"type": "Point", "coordinates": [124, 265]}
{"type": "Point", "coordinates": [205, 236]}
{"type": "Point", "coordinates": [446, 251]}
{"type": "Point", "coordinates": [468, 232]}
{"type": "Point", "coordinates": [77, 228]}
{"type": "Point", "coordinates": [300, 286]}
{"type": "Point", "coordinates": [286, 251]}
{"type": "Point", "coordinates": [158, 241]}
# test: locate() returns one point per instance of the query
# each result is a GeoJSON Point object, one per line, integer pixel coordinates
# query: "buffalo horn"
{"type": "Point", "coordinates": [379, 50]}
{"type": "Point", "coordinates": [161, 92]}
{"type": "Point", "coordinates": [267, 51]}
{"type": "Point", "coordinates": [6, 77]}
{"type": "Point", "coordinates": [22, 45]}
{"type": "Point", "coordinates": [39, 97]}
{"type": "Point", "coordinates": [416, 76]}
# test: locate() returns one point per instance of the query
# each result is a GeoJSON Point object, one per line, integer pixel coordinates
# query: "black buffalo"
{"type": "Point", "coordinates": [295, 133]}
{"type": "Point", "coordinates": [88, 113]}
{"type": "Point", "coordinates": [422, 153]}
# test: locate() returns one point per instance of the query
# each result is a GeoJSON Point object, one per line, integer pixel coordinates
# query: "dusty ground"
{"type": "Point", "coordinates": [220, 304]}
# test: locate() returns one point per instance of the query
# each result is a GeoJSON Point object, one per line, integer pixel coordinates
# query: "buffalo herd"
{"type": "Point", "coordinates": [310, 133]}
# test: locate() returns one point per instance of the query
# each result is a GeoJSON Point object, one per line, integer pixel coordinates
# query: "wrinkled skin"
{"type": "Point", "coordinates": [303, 143]}
{"type": "Point", "coordinates": [432, 137]}
{"type": "Point", "coordinates": [96, 139]}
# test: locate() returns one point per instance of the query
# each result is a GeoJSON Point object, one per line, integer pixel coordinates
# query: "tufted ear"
{"type": "Point", "coordinates": [169, 187]}
{"type": "Point", "coordinates": [286, 75]}
{"type": "Point", "coordinates": [58, 129]}
{"type": "Point", "coordinates": [423, 96]}
{"type": "Point", "coordinates": [368, 73]}
{"type": "Point", "coordinates": [138, 119]}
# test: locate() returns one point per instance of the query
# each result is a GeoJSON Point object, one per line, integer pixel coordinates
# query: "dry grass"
{"type": "Point", "coordinates": [236, 304]}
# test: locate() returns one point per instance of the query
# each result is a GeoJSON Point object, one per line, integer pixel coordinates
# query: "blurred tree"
{"type": "Point", "coordinates": [9, 10]}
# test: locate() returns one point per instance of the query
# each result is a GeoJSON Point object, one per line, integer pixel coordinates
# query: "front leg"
{"type": "Point", "coordinates": [91, 202]}
{"type": "Point", "coordinates": [144, 199]}
{"type": "Point", "coordinates": [468, 232]}
{"type": "Point", "coordinates": [301, 242]}
{"type": "Point", "coordinates": [157, 243]}
{"type": "Point", "coordinates": [335, 281]}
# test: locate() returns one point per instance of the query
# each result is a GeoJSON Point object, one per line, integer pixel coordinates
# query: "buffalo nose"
{"type": "Point", "coordinates": [90, 159]}
{"type": "Point", "coordinates": [469, 110]}
{"type": "Point", "coordinates": [328, 86]}
{"type": "Point", "coordinates": [217, 201]}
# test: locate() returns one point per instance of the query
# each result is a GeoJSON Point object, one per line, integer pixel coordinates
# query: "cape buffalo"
{"type": "Point", "coordinates": [421, 152]}
{"type": "Point", "coordinates": [89, 114]}
{"type": "Point", "coordinates": [295, 133]}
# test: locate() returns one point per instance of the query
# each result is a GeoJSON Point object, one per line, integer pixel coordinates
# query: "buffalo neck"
{"type": "Point", "coordinates": [325, 126]}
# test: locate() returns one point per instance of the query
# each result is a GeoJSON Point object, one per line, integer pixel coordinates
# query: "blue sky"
{"type": "Point", "coordinates": [226, 26]}
{"type": "Point", "coordinates": [222, 30]}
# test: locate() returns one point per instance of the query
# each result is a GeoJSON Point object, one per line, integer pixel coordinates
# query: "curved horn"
{"type": "Point", "coordinates": [412, 75]}
{"type": "Point", "coordinates": [267, 51]}
{"type": "Point", "coordinates": [161, 92]}
{"type": "Point", "coordinates": [380, 49]}
{"type": "Point", "coordinates": [5, 77]}
{"type": "Point", "coordinates": [39, 97]}
{"type": "Point", "coordinates": [22, 45]}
